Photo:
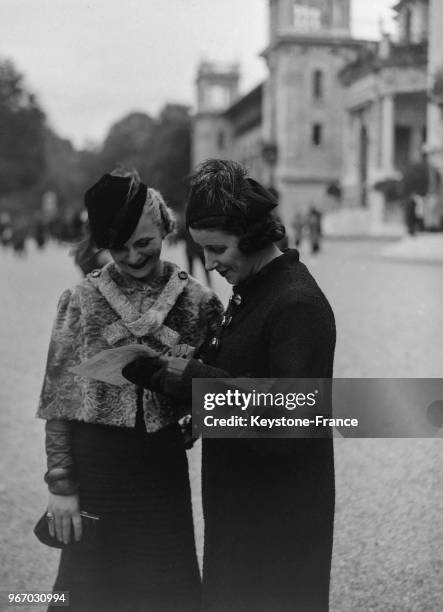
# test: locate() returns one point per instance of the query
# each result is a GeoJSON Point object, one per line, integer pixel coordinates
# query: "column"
{"type": "Point", "coordinates": [378, 143]}
{"type": "Point", "coordinates": [350, 179]}
{"type": "Point", "coordinates": [415, 152]}
{"type": "Point", "coordinates": [387, 134]}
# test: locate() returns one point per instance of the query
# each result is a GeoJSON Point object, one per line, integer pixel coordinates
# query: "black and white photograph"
{"type": "Point", "coordinates": [221, 346]}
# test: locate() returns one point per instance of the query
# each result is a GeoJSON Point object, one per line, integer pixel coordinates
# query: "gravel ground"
{"type": "Point", "coordinates": [389, 531]}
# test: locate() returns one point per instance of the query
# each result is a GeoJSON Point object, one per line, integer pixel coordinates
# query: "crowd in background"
{"type": "Point", "coordinates": [15, 231]}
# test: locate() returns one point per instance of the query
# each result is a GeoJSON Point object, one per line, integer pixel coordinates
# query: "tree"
{"type": "Point", "coordinates": [22, 134]}
{"type": "Point", "coordinates": [158, 149]}
{"type": "Point", "coordinates": [166, 159]}
{"type": "Point", "coordinates": [126, 140]}
{"type": "Point", "coordinates": [64, 173]}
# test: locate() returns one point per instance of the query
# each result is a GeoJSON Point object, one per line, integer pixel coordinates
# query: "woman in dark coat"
{"type": "Point", "coordinates": [117, 452]}
{"type": "Point", "coordinates": [268, 503]}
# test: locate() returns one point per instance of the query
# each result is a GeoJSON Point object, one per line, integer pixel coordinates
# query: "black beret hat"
{"type": "Point", "coordinates": [114, 205]}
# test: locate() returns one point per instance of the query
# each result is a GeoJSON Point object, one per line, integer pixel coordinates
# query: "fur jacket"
{"type": "Point", "coordinates": [107, 310]}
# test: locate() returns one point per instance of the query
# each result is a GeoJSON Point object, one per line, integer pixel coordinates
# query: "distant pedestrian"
{"type": "Point", "coordinates": [298, 225]}
{"type": "Point", "coordinates": [39, 232]}
{"type": "Point", "coordinates": [314, 228]}
{"type": "Point", "coordinates": [19, 237]}
{"type": "Point", "coordinates": [419, 211]}
{"type": "Point", "coordinates": [5, 228]}
{"type": "Point", "coordinates": [410, 210]}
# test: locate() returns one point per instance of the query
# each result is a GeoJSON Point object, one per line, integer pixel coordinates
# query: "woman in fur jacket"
{"type": "Point", "coordinates": [117, 452]}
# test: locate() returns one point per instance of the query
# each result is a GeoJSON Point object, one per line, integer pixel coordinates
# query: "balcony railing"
{"type": "Point", "coordinates": [399, 56]}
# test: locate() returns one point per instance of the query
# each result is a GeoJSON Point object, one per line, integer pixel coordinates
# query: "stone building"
{"type": "Point", "coordinates": [434, 143]}
{"type": "Point", "coordinates": [217, 89]}
{"type": "Point", "coordinates": [226, 125]}
{"type": "Point", "coordinates": [288, 130]}
{"type": "Point", "coordinates": [385, 100]}
{"type": "Point", "coordinates": [309, 43]}
{"type": "Point", "coordinates": [333, 109]}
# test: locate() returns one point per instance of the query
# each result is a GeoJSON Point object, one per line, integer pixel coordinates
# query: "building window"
{"type": "Point", "coordinates": [306, 18]}
{"type": "Point", "coordinates": [317, 84]}
{"type": "Point", "coordinates": [317, 134]}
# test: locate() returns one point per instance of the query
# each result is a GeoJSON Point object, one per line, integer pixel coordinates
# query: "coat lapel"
{"type": "Point", "coordinates": [134, 323]}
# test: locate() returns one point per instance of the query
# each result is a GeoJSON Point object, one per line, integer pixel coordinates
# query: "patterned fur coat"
{"type": "Point", "coordinates": [107, 310]}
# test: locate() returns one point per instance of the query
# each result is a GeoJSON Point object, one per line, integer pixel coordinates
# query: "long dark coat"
{"type": "Point", "coordinates": [269, 504]}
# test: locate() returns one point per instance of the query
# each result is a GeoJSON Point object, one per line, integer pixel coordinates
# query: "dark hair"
{"type": "Point", "coordinates": [222, 197]}
{"type": "Point", "coordinates": [251, 239]}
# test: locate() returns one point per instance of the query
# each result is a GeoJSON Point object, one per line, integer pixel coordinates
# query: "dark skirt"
{"type": "Point", "coordinates": [145, 558]}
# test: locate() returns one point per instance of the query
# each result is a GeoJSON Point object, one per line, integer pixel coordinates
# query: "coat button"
{"type": "Point", "coordinates": [182, 275]}
{"type": "Point", "coordinates": [215, 343]}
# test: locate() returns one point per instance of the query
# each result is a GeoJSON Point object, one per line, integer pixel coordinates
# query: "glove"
{"type": "Point", "coordinates": [161, 374]}
{"type": "Point", "coordinates": [141, 370]}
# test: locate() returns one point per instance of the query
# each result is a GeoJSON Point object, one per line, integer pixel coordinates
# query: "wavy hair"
{"type": "Point", "coordinates": [240, 205]}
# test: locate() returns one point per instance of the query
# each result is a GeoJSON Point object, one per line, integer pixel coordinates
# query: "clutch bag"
{"type": "Point", "coordinates": [88, 541]}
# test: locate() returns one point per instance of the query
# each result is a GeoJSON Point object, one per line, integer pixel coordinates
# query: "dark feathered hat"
{"type": "Point", "coordinates": [114, 205]}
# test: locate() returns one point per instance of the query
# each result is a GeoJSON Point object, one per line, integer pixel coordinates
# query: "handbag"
{"type": "Point", "coordinates": [88, 541]}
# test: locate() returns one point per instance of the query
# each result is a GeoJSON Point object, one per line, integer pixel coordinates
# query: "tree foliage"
{"type": "Point", "coordinates": [165, 163]}
{"type": "Point", "coordinates": [64, 174]}
{"type": "Point", "coordinates": [22, 133]}
{"type": "Point", "coordinates": [158, 148]}
{"type": "Point", "coordinates": [34, 159]}
{"type": "Point", "coordinates": [126, 141]}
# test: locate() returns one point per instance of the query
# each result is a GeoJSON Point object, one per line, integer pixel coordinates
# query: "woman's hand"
{"type": "Point", "coordinates": [141, 370]}
{"type": "Point", "coordinates": [156, 373]}
{"type": "Point", "coordinates": [65, 509]}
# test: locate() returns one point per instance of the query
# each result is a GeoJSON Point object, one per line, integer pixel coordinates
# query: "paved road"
{"type": "Point", "coordinates": [389, 533]}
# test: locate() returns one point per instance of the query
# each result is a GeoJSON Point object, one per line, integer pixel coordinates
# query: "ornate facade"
{"type": "Point", "coordinates": [385, 98]}
{"type": "Point", "coordinates": [309, 43]}
{"type": "Point", "coordinates": [333, 110]}
{"type": "Point", "coordinates": [434, 143]}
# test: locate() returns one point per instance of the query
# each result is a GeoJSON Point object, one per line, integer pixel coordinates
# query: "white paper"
{"type": "Point", "coordinates": [107, 365]}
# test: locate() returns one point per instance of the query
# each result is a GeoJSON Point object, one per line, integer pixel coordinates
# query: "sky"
{"type": "Point", "coordinates": [90, 62]}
